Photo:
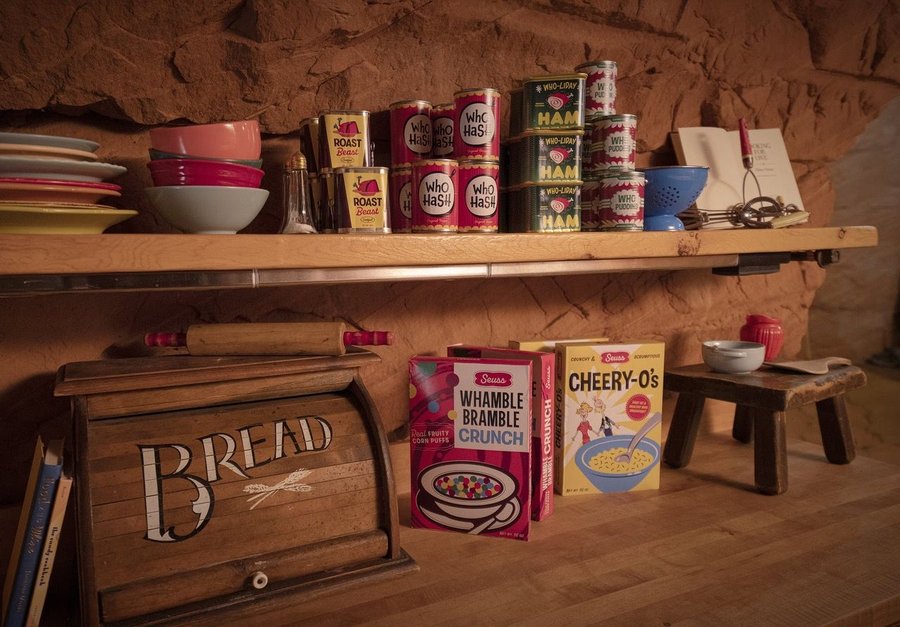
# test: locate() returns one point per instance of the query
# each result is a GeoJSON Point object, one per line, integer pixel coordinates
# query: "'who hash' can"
{"type": "Point", "coordinates": [434, 189]}
{"type": "Point", "coordinates": [476, 132]}
{"type": "Point", "coordinates": [410, 131]}
{"type": "Point", "coordinates": [442, 130]}
{"type": "Point", "coordinates": [600, 87]}
{"type": "Point", "coordinates": [479, 196]}
{"type": "Point", "coordinates": [401, 200]}
{"type": "Point", "coordinates": [622, 201]}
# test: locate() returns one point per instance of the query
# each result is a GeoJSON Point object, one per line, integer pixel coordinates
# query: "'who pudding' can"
{"type": "Point", "coordinates": [622, 201]}
{"type": "Point", "coordinates": [600, 87]}
{"type": "Point", "coordinates": [434, 195]}
{"type": "Point", "coordinates": [613, 142]}
{"type": "Point", "coordinates": [442, 130]}
{"type": "Point", "coordinates": [401, 200]}
{"type": "Point", "coordinates": [479, 196]}
{"type": "Point", "coordinates": [345, 139]}
{"type": "Point", "coordinates": [362, 200]}
{"type": "Point", "coordinates": [410, 131]}
{"type": "Point", "coordinates": [590, 204]}
{"type": "Point", "coordinates": [476, 132]}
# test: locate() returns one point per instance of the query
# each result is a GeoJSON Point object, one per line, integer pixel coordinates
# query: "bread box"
{"type": "Point", "coordinates": [210, 482]}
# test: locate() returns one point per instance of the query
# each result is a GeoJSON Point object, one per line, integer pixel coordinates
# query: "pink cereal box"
{"type": "Point", "coordinates": [470, 443]}
{"type": "Point", "coordinates": [543, 380]}
{"type": "Point", "coordinates": [606, 395]}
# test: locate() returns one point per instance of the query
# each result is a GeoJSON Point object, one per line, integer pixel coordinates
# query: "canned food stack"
{"type": "Point", "coordinates": [543, 189]}
{"type": "Point", "coordinates": [613, 192]}
{"type": "Point", "coordinates": [453, 186]}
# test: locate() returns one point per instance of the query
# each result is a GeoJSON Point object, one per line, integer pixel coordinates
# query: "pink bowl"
{"type": "Point", "coordinates": [167, 172]}
{"type": "Point", "coordinates": [225, 140]}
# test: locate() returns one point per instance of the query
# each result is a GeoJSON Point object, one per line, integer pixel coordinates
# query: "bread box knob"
{"type": "Point", "coordinates": [259, 580]}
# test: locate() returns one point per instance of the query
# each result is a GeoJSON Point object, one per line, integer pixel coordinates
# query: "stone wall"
{"type": "Point", "coordinates": [109, 70]}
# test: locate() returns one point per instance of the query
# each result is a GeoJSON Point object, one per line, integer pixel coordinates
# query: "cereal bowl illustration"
{"type": "Point", "coordinates": [468, 496]}
{"type": "Point", "coordinates": [597, 461]}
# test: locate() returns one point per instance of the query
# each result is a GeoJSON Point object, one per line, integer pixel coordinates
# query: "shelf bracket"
{"type": "Point", "coordinates": [754, 263]}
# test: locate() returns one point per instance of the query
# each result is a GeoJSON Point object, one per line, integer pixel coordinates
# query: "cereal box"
{"type": "Point", "coordinates": [543, 383]}
{"type": "Point", "coordinates": [606, 395]}
{"type": "Point", "coordinates": [470, 443]}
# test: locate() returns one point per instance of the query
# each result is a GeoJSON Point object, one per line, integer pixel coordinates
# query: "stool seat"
{"type": "Point", "coordinates": [761, 399]}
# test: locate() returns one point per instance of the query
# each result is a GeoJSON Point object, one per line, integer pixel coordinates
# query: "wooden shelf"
{"type": "Point", "coordinates": [42, 263]}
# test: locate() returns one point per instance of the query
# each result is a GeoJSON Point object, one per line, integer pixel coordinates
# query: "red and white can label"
{"type": "Point", "coordinates": [410, 131]}
{"type": "Point", "coordinates": [401, 200]}
{"type": "Point", "coordinates": [590, 205]}
{"type": "Point", "coordinates": [622, 202]}
{"type": "Point", "coordinates": [479, 189]}
{"type": "Point", "coordinates": [476, 132]}
{"type": "Point", "coordinates": [442, 130]}
{"type": "Point", "coordinates": [434, 194]}
{"type": "Point", "coordinates": [600, 87]}
{"type": "Point", "coordinates": [613, 142]}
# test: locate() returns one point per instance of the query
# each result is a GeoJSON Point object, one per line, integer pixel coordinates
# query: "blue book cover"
{"type": "Point", "coordinates": [40, 504]}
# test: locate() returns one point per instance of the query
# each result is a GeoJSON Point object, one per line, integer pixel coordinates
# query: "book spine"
{"type": "Point", "coordinates": [33, 543]}
{"type": "Point", "coordinates": [48, 555]}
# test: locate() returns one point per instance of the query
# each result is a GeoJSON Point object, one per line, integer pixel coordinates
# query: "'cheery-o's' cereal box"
{"type": "Point", "coordinates": [605, 395]}
{"type": "Point", "coordinates": [470, 443]}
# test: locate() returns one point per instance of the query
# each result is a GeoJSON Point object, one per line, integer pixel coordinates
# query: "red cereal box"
{"type": "Point", "coordinates": [470, 443]}
{"type": "Point", "coordinates": [542, 408]}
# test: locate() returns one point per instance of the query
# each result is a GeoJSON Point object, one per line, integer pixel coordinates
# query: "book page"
{"type": "Point", "coordinates": [772, 166]}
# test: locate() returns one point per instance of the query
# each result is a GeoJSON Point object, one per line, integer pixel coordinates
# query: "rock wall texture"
{"type": "Point", "coordinates": [111, 69]}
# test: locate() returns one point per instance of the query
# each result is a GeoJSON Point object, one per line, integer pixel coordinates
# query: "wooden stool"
{"type": "Point", "coordinates": [761, 398]}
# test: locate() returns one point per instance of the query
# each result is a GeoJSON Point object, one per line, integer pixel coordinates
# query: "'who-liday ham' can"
{"type": "Point", "coordinates": [410, 132]}
{"type": "Point", "coordinates": [479, 196]}
{"type": "Point", "coordinates": [345, 139]}
{"type": "Point", "coordinates": [442, 130]}
{"type": "Point", "coordinates": [476, 132]}
{"type": "Point", "coordinates": [434, 189]}
{"type": "Point", "coordinates": [362, 200]}
{"type": "Point", "coordinates": [401, 200]}
{"type": "Point", "coordinates": [600, 87]}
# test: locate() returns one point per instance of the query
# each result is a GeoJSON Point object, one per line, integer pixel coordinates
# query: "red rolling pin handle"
{"type": "Point", "coordinates": [165, 338]}
{"type": "Point", "coordinates": [368, 338]}
{"type": "Point", "coordinates": [746, 146]}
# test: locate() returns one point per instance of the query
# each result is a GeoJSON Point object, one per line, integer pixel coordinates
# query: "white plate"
{"type": "Point", "coordinates": [72, 143]}
{"type": "Point", "coordinates": [57, 169]}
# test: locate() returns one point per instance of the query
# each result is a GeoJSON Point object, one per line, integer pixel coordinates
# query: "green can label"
{"type": "Point", "coordinates": [554, 102]}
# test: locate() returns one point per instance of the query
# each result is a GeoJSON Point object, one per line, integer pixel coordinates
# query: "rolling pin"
{"type": "Point", "coordinates": [269, 338]}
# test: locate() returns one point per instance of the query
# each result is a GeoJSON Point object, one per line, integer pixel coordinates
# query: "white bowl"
{"type": "Point", "coordinates": [207, 208]}
{"type": "Point", "coordinates": [733, 357]}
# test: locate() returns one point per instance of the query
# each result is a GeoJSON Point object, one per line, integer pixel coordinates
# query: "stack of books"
{"type": "Point", "coordinates": [37, 536]}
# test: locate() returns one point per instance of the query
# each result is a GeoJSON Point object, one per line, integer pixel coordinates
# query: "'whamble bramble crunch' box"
{"type": "Point", "coordinates": [543, 383]}
{"type": "Point", "coordinates": [470, 443]}
{"type": "Point", "coordinates": [606, 394]}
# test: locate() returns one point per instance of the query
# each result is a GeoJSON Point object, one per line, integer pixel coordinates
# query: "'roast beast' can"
{"type": "Point", "coordinates": [553, 102]}
{"type": "Point", "coordinates": [622, 201]}
{"type": "Point", "coordinates": [544, 208]}
{"type": "Point", "coordinates": [442, 130]}
{"type": "Point", "coordinates": [410, 131]}
{"type": "Point", "coordinates": [476, 130]}
{"type": "Point", "coordinates": [479, 196]}
{"type": "Point", "coordinates": [345, 139]}
{"type": "Point", "coordinates": [613, 142]}
{"type": "Point", "coordinates": [310, 143]}
{"type": "Point", "coordinates": [600, 87]}
{"type": "Point", "coordinates": [434, 189]}
{"type": "Point", "coordinates": [362, 200]}
{"type": "Point", "coordinates": [401, 200]}
{"type": "Point", "coordinates": [545, 156]}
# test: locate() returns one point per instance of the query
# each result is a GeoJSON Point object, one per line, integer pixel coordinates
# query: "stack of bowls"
{"type": "Point", "coordinates": [55, 184]}
{"type": "Point", "coordinates": [206, 177]}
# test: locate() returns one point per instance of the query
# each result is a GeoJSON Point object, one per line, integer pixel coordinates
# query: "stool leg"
{"type": "Point", "coordinates": [834, 425]}
{"type": "Point", "coordinates": [683, 432]}
{"type": "Point", "coordinates": [770, 451]}
{"type": "Point", "coordinates": [742, 428]}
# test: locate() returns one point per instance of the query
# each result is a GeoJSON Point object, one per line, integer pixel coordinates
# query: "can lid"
{"type": "Point", "coordinates": [405, 103]}
{"type": "Point", "coordinates": [545, 132]}
{"type": "Point", "coordinates": [442, 106]}
{"type": "Point", "coordinates": [435, 162]}
{"type": "Point", "coordinates": [361, 170]}
{"type": "Point", "coordinates": [597, 62]}
{"type": "Point", "coordinates": [615, 117]}
{"type": "Point", "coordinates": [361, 112]}
{"type": "Point", "coordinates": [309, 122]}
{"type": "Point", "coordinates": [476, 90]}
{"type": "Point", "coordinates": [555, 77]}
{"type": "Point", "coordinates": [296, 161]}
{"type": "Point", "coordinates": [477, 162]}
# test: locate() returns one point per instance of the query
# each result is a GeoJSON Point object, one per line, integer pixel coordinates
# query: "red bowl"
{"type": "Point", "coordinates": [167, 172]}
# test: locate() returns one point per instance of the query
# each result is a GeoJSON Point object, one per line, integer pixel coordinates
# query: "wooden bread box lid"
{"type": "Point", "coordinates": [209, 482]}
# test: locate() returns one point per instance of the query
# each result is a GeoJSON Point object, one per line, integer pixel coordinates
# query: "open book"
{"type": "Point", "coordinates": [720, 150]}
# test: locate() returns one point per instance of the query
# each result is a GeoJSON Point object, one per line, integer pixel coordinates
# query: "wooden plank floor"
{"type": "Point", "coordinates": [705, 549]}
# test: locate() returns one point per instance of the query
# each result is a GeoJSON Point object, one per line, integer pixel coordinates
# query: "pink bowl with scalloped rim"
{"type": "Point", "coordinates": [167, 172]}
{"type": "Point", "coordinates": [223, 140]}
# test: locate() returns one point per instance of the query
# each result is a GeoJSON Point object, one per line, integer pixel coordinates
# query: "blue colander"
{"type": "Point", "coordinates": [669, 190]}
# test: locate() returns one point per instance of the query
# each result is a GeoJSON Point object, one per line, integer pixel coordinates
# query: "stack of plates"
{"type": "Point", "coordinates": [53, 184]}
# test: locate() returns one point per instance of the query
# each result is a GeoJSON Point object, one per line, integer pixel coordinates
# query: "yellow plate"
{"type": "Point", "coordinates": [59, 218]}
{"type": "Point", "coordinates": [46, 151]}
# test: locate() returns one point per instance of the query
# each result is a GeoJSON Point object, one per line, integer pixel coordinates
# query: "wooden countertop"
{"type": "Point", "coordinates": [706, 548]}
